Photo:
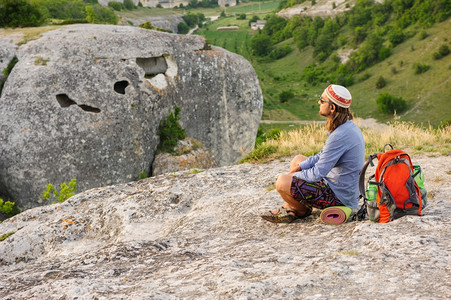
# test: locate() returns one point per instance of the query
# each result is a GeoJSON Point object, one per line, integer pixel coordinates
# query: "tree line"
{"type": "Point", "coordinates": [23, 13]}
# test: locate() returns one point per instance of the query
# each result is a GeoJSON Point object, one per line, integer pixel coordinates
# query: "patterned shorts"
{"type": "Point", "coordinates": [316, 194]}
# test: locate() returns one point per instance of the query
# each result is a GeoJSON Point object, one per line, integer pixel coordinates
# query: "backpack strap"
{"type": "Point", "coordinates": [368, 162]}
{"type": "Point", "coordinates": [361, 214]}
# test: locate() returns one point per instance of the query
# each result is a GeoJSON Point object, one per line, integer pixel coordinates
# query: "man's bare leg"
{"type": "Point", "coordinates": [283, 186]}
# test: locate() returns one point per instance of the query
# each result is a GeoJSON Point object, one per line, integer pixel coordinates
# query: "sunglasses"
{"type": "Point", "coordinates": [325, 101]}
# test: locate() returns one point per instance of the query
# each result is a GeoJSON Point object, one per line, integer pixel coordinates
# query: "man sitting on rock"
{"type": "Point", "coordinates": [329, 178]}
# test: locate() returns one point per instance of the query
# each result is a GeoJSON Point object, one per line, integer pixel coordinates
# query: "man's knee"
{"type": "Point", "coordinates": [283, 183]}
{"type": "Point", "coordinates": [298, 158]}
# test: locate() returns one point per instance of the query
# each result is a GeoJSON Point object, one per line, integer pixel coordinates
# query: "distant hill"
{"type": "Point", "coordinates": [426, 94]}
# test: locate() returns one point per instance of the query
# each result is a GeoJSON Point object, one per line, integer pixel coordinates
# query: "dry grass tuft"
{"type": "Point", "coordinates": [309, 140]}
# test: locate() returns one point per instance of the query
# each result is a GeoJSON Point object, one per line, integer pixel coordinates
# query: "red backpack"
{"type": "Point", "coordinates": [398, 193]}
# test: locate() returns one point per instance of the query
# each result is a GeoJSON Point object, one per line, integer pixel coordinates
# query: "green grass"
{"type": "Point", "coordinates": [235, 41]}
{"type": "Point", "coordinates": [427, 94]}
{"type": "Point", "coordinates": [257, 8]}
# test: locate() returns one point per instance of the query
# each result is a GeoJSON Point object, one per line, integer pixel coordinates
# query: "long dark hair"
{"type": "Point", "coordinates": [339, 116]}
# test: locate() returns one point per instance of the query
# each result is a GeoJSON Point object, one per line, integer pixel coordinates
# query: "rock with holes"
{"type": "Point", "coordinates": [85, 102]}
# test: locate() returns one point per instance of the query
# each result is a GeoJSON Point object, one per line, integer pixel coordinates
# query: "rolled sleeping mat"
{"type": "Point", "coordinates": [335, 215]}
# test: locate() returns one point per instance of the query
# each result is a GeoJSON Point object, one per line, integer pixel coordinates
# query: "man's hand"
{"type": "Point", "coordinates": [295, 169]}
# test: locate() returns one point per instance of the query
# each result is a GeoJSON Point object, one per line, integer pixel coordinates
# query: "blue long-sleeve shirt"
{"type": "Point", "coordinates": [338, 163]}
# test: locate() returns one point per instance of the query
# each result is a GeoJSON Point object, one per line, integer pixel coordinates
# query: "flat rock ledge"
{"type": "Point", "coordinates": [199, 236]}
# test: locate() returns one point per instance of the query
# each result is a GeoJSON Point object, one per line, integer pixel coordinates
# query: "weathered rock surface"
{"type": "Point", "coordinates": [165, 22]}
{"type": "Point", "coordinates": [85, 101]}
{"type": "Point", "coordinates": [321, 8]}
{"type": "Point", "coordinates": [189, 155]}
{"type": "Point", "coordinates": [7, 53]}
{"type": "Point", "coordinates": [199, 236]}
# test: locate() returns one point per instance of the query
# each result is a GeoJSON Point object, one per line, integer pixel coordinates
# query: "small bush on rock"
{"type": "Point", "coordinates": [8, 208]}
{"type": "Point", "coordinates": [66, 191]}
{"type": "Point", "coordinates": [170, 132]}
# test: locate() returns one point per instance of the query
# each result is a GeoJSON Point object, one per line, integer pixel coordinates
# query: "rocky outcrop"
{"type": "Point", "coordinates": [199, 236]}
{"type": "Point", "coordinates": [164, 22]}
{"type": "Point", "coordinates": [321, 8]}
{"type": "Point", "coordinates": [85, 101]}
{"type": "Point", "coordinates": [189, 154]}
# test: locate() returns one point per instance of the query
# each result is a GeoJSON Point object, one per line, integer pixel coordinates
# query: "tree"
{"type": "Point", "coordinates": [97, 14]}
{"type": "Point", "coordinates": [182, 28]}
{"type": "Point", "coordinates": [253, 19]}
{"type": "Point", "coordinates": [115, 5]}
{"type": "Point", "coordinates": [396, 37]}
{"type": "Point", "coordinates": [274, 27]}
{"type": "Point", "coordinates": [191, 19]}
{"type": "Point", "coordinates": [19, 13]}
{"type": "Point", "coordinates": [300, 36]}
{"type": "Point", "coordinates": [63, 9]}
{"type": "Point", "coordinates": [128, 4]}
{"type": "Point", "coordinates": [261, 44]}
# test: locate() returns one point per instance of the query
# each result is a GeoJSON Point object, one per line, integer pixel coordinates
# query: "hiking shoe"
{"type": "Point", "coordinates": [282, 216]}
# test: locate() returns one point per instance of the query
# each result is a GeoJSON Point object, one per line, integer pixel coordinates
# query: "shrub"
{"type": "Point", "coordinates": [128, 4]}
{"type": "Point", "coordinates": [241, 16]}
{"type": "Point", "coordinates": [143, 175]}
{"type": "Point", "coordinates": [19, 13]}
{"type": "Point", "coordinates": [420, 68]}
{"type": "Point", "coordinates": [389, 104]}
{"type": "Point", "coordinates": [380, 83]}
{"type": "Point", "coordinates": [422, 35]}
{"type": "Point", "coordinates": [182, 28]}
{"type": "Point", "coordinates": [273, 134]}
{"type": "Point", "coordinates": [66, 191]}
{"type": "Point", "coordinates": [442, 52]}
{"type": "Point", "coordinates": [261, 44]}
{"type": "Point", "coordinates": [396, 37]}
{"type": "Point", "coordinates": [280, 52]}
{"type": "Point", "coordinates": [8, 208]}
{"type": "Point", "coordinates": [261, 151]}
{"type": "Point", "coordinates": [146, 25]}
{"type": "Point", "coordinates": [100, 15]}
{"type": "Point", "coordinates": [115, 5]}
{"type": "Point", "coordinates": [170, 132]}
{"type": "Point", "coordinates": [284, 96]}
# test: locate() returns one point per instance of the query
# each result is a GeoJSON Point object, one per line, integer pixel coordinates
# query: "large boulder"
{"type": "Point", "coordinates": [85, 101]}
